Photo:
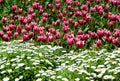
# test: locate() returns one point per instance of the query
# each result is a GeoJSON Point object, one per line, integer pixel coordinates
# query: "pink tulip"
{"type": "Point", "coordinates": [31, 34]}
{"type": "Point", "coordinates": [70, 41]}
{"type": "Point", "coordinates": [115, 41]}
{"type": "Point", "coordinates": [30, 10]}
{"type": "Point", "coordinates": [20, 10]}
{"type": "Point", "coordinates": [82, 22]}
{"type": "Point", "coordinates": [6, 37]}
{"type": "Point", "coordinates": [80, 44]}
{"type": "Point", "coordinates": [9, 33]}
{"type": "Point", "coordinates": [98, 43]}
{"type": "Point", "coordinates": [27, 27]}
{"type": "Point", "coordinates": [84, 7]}
{"type": "Point", "coordinates": [19, 28]}
{"type": "Point", "coordinates": [50, 5]}
{"type": "Point", "coordinates": [24, 31]}
{"type": "Point", "coordinates": [57, 5]}
{"type": "Point", "coordinates": [50, 38]}
{"type": "Point", "coordinates": [109, 39]}
{"type": "Point", "coordinates": [1, 1]}
{"type": "Point", "coordinates": [14, 7]}
{"type": "Point", "coordinates": [15, 35]}
{"type": "Point", "coordinates": [92, 10]}
{"type": "Point", "coordinates": [1, 33]}
{"type": "Point", "coordinates": [111, 23]}
{"type": "Point", "coordinates": [25, 37]}
{"type": "Point", "coordinates": [4, 20]}
{"type": "Point", "coordinates": [65, 29]}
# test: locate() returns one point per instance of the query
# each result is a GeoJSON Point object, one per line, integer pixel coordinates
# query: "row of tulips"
{"type": "Point", "coordinates": [63, 21]}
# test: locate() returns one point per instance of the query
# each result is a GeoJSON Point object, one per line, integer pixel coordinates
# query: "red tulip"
{"type": "Point", "coordinates": [98, 43]}
{"type": "Point", "coordinates": [80, 44]}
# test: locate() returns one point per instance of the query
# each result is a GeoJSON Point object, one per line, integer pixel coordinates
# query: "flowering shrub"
{"type": "Point", "coordinates": [24, 61]}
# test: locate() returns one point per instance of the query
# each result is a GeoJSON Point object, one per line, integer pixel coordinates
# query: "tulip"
{"type": "Point", "coordinates": [75, 24]}
{"type": "Point", "coordinates": [14, 7]}
{"type": "Point", "coordinates": [98, 43]}
{"type": "Point", "coordinates": [1, 1]}
{"type": "Point", "coordinates": [11, 16]}
{"type": "Point", "coordinates": [31, 34]}
{"type": "Point", "coordinates": [50, 5]}
{"type": "Point", "coordinates": [50, 38]}
{"type": "Point", "coordinates": [1, 33]}
{"type": "Point", "coordinates": [9, 33]}
{"type": "Point", "coordinates": [4, 20]}
{"type": "Point", "coordinates": [84, 7]}
{"type": "Point", "coordinates": [20, 10]}
{"type": "Point", "coordinates": [25, 37]}
{"type": "Point", "coordinates": [82, 22]}
{"type": "Point", "coordinates": [57, 5]}
{"type": "Point", "coordinates": [6, 37]}
{"type": "Point", "coordinates": [27, 27]}
{"type": "Point", "coordinates": [80, 44]}
{"type": "Point", "coordinates": [111, 23]}
{"type": "Point", "coordinates": [66, 29]}
{"type": "Point", "coordinates": [24, 31]}
{"type": "Point", "coordinates": [109, 39]}
{"type": "Point", "coordinates": [115, 41]}
{"type": "Point", "coordinates": [92, 10]}
{"type": "Point", "coordinates": [15, 35]}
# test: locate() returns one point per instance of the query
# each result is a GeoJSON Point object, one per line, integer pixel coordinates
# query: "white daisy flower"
{"type": "Point", "coordinates": [39, 79]}
{"type": "Point", "coordinates": [6, 79]}
{"type": "Point", "coordinates": [108, 77]}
